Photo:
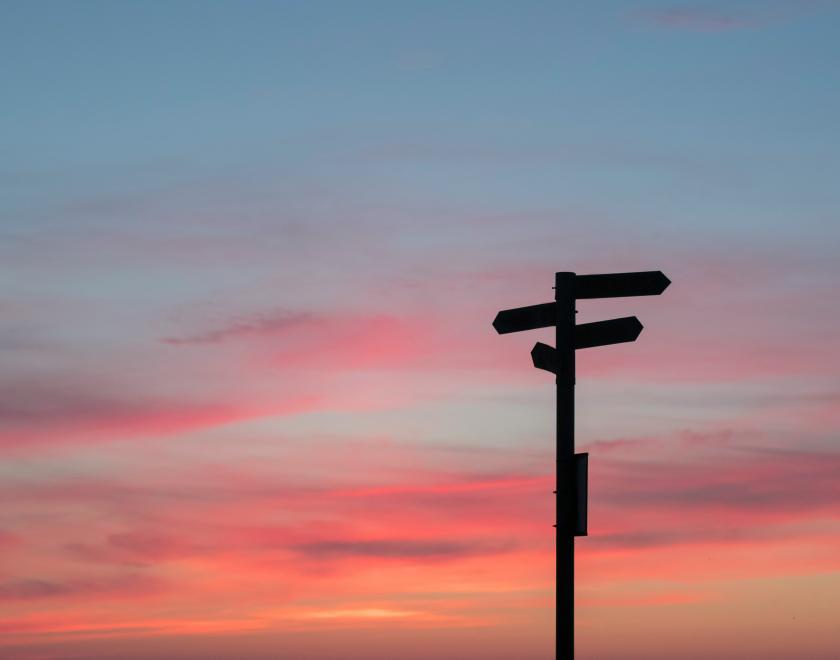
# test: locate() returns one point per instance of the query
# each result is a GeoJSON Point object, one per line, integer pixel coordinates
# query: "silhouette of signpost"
{"type": "Point", "coordinates": [572, 469]}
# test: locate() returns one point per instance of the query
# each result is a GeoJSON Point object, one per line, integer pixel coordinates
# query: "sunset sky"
{"type": "Point", "coordinates": [251, 402]}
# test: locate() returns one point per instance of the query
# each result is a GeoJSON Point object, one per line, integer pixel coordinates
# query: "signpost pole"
{"type": "Point", "coordinates": [572, 478]}
{"type": "Point", "coordinates": [564, 296]}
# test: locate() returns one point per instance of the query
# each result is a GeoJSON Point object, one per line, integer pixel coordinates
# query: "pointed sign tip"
{"type": "Point", "coordinates": [620, 285]}
{"type": "Point", "coordinates": [603, 333]}
{"type": "Point", "coordinates": [525, 318]}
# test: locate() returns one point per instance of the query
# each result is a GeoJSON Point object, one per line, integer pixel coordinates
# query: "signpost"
{"type": "Point", "coordinates": [572, 469]}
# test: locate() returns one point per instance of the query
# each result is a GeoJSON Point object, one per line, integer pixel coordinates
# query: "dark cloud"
{"type": "Point", "coordinates": [31, 588]}
{"type": "Point", "coordinates": [139, 549]}
{"type": "Point", "coordinates": [271, 324]}
{"type": "Point", "coordinates": [742, 478]}
{"type": "Point", "coordinates": [714, 531]}
{"type": "Point", "coordinates": [400, 549]}
{"type": "Point", "coordinates": [23, 403]}
{"type": "Point", "coordinates": [119, 586]}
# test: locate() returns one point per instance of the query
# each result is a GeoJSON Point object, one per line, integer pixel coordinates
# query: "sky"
{"type": "Point", "coordinates": [251, 402]}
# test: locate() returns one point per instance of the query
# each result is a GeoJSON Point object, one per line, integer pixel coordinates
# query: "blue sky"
{"type": "Point", "coordinates": [499, 108]}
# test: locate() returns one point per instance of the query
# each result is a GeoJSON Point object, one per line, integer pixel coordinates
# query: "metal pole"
{"type": "Point", "coordinates": [564, 296]}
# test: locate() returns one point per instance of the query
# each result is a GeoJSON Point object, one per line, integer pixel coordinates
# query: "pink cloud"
{"type": "Point", "coordinates": [7, 539]}
{"type": "Point", "coordinates": [730, 330]}
{"type": "Point", "coordinates": [332, 342]}
{"type": "Point", "coordinates": [666, 493]}
{"type": "Point", "coordinates": [66, 413]}
{"type": "Point", "coordinates": [451, 544]}
{"type": "Point", "coordinates": [708, 18]}
{"type": "Point", "coordinates": [696, 19]}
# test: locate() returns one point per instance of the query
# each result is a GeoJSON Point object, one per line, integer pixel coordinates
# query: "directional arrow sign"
{"type": "Point", "coordinates": [619, 285]}
{"type": "Point", "coordinates": [601, 333]}
{"type": "Point", "coordinates": [588, 335]}
{"type": "Point", "coordinates": [544, 357]}
{"type": "Point", "coordinates": [525, 318]}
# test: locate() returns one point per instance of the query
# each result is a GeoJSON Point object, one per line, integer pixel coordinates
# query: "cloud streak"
{"type": "Point", "coordinates": [399, 549]}
{"type": "Point", "coordinates": [120, 587]}
{"type": "Point", "coordinates": [74, 412]}
{"type": "Point", "coordinates": [697, 19]}
{"type": "Point", "coordinates": [274, 324]}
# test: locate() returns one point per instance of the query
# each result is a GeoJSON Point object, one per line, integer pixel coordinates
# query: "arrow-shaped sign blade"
{"type": "Point", "coordinates": [544, 357]}
{"type": "Point", "coordinates": [602, 333]}
{"type": "Point", "coordinates": [525, 318]}
{"type": "Point", "coordinates": [619, 285]}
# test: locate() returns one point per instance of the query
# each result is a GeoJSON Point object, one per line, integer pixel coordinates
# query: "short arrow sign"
{"type": "Point", "coordinates": [602, 333]}
{"type": "Point", "coordinates": [619, 285]}
{"type": "Point", "coordinates": [588, 335]}
{"type": "Point", "coordinates": [544, 357]}
{"type": "Point", "coordinates": [525, 318]}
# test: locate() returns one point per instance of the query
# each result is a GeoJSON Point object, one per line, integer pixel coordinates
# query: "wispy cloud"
{"type": "Point", "coordinates": [727, 17]}
{"type": "Point", "coordinates": [401, 549]}
{"type": "Point", "coordinates": [274, 324]}
{"type": "Point", "coordinates": [697, 19]}
{"type": "Point", "coordinates": [72, 411]}
{"type": "Point", "coordinates": [338, 341]}
{"type": "Point", "coordinates": [124, 586]}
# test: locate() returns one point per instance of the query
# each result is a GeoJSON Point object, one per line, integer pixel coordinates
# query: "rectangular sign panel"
{"type": "Point", "coordinates": [525, 318]}
{"type": "Point", "coordinates": [581, 493]}
{"type": "Point", "coordinates": [620, 285]}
